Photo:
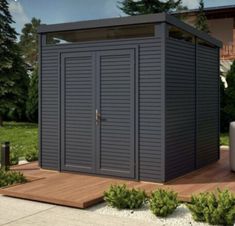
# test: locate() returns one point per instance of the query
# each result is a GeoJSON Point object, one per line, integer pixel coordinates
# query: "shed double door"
{"type": "Point", "coordinates": [98, 112]}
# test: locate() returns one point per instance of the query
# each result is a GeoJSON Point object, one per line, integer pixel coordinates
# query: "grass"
{"type": "Point", "coordinates": [224, 140]}
{"type": "Point", "coordinates": [23, 138]}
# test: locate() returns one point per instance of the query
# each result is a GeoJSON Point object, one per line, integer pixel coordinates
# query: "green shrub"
{"type": "Point", "coordinates": [213, 209]}
{"type": "Point", "coordinates": [14, 157]}
{"type": "Point", "coordinates": [11, 177]}
{"type": "Point", "coordinates": [224, 139]}
{"type": "Point", "coordinates": [119, 196]}
{"type": "Point", "coordinates": [31, 155]}
{"type": "Point", "coordinates": [163, 202]}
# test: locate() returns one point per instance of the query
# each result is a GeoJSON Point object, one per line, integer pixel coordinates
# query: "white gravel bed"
{"type": "Point", "coordinates": [181, 216]}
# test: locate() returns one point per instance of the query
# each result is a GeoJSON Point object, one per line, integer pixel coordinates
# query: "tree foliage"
{"type": "Point", "coordinates": [7, 36]}
{"type": "Point", "coordinates": [17, 96]}
{"type": "Point", "coordinates": [29, 46]}
{"type": "Point", "coordinates": [13, 76]}
{"type": "Point", "coordinates": [29, 42]}
{"type": "Point", "coordinates": [32, 101]}
{"type": "Point", "coordinates": [227, 100]}
{"type": "Point", "coordinates": [201, 20]}
{"type": "Point", "coordinates": [133, 7]}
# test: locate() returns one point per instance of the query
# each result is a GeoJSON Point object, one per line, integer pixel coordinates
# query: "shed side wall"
{"type": "Point", "coordinates": [180, 108]}
{"type": "Point", "coordinates": [207, 105]}
{"type": "Point", "coordinates": [149, 96]}
{"type": "Point", "coordinates": [192, 107]}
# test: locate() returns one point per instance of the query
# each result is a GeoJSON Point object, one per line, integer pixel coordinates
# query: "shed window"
{"type": "Point", "coordinates": [177, 33]}
{"type": "Point", "coordinates": [133, 31]}
{"type": "Point", "coordinates": [204, 43]}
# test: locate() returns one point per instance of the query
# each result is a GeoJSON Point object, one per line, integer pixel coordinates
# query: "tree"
{"type": "Point", "coordinates": [29, 42]}
{"type": "Point", "coordinates": [133, 7]}
{"type": "Point", "coordinates": [201, 20]}
{"type": "Point", "coordinates": [12, 68]}
{"type": "Point", "coordinates": [19, 75]}
{"type": "Point", "coordinates": [29, 46]}
{"type": "Point", "coordinates": [32, 102]}
{"type": "Point", "coordinates": [228, 100]}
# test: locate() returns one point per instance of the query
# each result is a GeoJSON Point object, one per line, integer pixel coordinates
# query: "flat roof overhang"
{"type": "Point", "coordinates": [128, 20]}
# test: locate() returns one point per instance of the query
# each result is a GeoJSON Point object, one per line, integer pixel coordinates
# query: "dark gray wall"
{"type": "Point", "coordinates": [207, 105]}
{"type": "Point", "coordinates": [180, 108]}
{"type": "Point", "coordinates": [192, 107]}
{"type": "Point", "coordinates": [148, 88]}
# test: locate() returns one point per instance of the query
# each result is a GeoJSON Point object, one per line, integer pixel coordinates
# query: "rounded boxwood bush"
{"type": "Point", "coordinates": [120, 197]}
{"type": "Point", "coordinates": [163, 202]}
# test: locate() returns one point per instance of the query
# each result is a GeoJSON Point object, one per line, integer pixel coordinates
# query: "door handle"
{"type": "Point", "coordinates": [97, 117]}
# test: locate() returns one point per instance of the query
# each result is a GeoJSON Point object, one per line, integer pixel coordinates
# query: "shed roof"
{"type": "Point", "coordinates": [128, 20]}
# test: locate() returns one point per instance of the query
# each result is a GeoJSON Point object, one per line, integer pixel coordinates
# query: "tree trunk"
{"type": "Point", "coordinates": [1, 121]}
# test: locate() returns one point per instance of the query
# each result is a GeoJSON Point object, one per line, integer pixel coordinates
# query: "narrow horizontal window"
{"type": "Point", "coordinates": [177, 33]}
{"type": "Point", "coordinates": [204, 43]}
{"type": "Point", "coordinates": [134, 31]}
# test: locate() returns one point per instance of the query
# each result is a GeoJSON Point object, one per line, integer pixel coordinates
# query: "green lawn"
{"type": "Point", "coordinates": [224, 139]}
{"type": "Point", "coordinates": [23, 139]}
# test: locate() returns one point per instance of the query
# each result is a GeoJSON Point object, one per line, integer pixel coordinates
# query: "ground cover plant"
{"type": "Point", "coordinates": [120, 197]}
{"type": "Point", "coordinates": [8, 177]}
{"type": "Point", "coordinates": [23, 138]}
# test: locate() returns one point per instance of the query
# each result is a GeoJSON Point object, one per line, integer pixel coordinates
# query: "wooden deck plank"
{"type": "Point", "coordinates": [82, 191]}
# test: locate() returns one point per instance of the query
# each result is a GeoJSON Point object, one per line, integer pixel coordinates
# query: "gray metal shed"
{"type": "Point", "coordinates": [134, 97]}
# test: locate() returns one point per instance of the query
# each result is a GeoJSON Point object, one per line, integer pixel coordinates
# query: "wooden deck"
{"type": "Point", "coordinates": [82, 191]}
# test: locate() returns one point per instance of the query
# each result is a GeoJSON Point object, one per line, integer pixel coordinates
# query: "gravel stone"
{"type": "Point", "coordinates": [180, 217]}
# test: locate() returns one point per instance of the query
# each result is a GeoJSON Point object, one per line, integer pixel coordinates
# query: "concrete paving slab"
{"type": "Point", "coordinates": [63, 216]}
{"type": "Point", "coordinates": [12, 209]}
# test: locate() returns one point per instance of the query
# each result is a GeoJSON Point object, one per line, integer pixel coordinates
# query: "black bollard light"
{"type": "Point", "coordinates": [5, 155]}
